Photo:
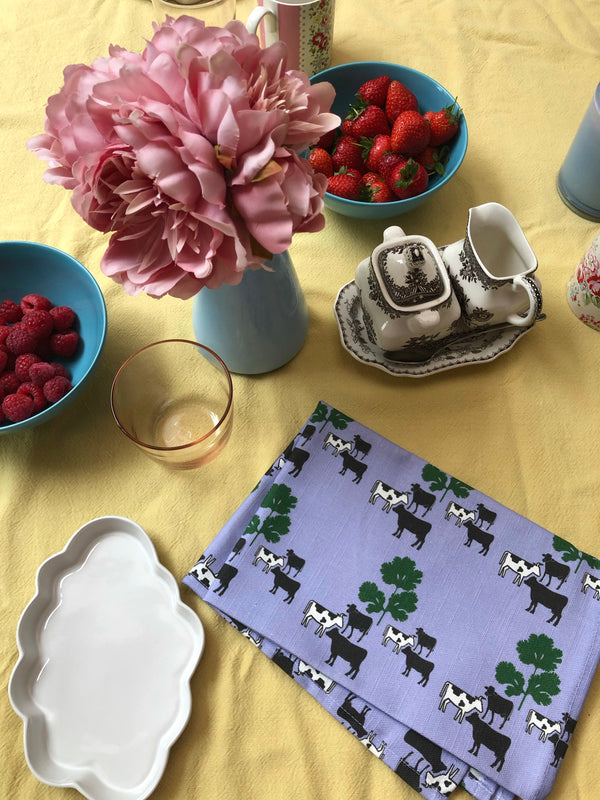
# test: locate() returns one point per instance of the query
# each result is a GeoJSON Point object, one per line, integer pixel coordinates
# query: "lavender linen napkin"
{"type": "Point", "coordinates": [454, 638]}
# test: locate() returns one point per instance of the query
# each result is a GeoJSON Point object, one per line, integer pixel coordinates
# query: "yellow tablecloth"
{"type": "Point", "coordinates": [523, 428]}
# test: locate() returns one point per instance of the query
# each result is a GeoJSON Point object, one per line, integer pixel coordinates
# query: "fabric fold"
{"type": "Point", "coordinates": [455, 639]}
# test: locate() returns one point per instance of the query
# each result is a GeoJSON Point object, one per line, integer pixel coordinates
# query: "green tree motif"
{"type": "Point", "coordinates": [280, 501]}
{"type": "Point", "coordinates": [325, 414]}
{"type": "Point", "coordinates": [405, 577]}
{"type": "Point", "coordinates": [543, 684]}
{"type": "Point", "coordinates": [570, 553]}
{"type": "Point", "coordinates": [440, 482]}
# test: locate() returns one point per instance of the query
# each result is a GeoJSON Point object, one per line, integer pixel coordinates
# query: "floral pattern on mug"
{"type": "Point", "coordinates": [583, 290]}
{"type": "Point", "coordinates": [321, 29]}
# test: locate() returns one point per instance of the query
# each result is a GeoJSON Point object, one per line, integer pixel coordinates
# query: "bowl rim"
{"type": "Point", "coordinates": [51, 411]}
{"type": "Point", "coordinates": [323, 76]}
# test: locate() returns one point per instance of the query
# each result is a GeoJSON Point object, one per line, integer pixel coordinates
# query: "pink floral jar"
{"type": "Point", "coordinates": [583, 290]}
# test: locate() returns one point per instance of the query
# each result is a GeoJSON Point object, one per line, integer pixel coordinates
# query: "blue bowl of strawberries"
{"type": "Point", "coordinates": [402, 138]}
{"type": "Point", "coordinates": [52, 331]}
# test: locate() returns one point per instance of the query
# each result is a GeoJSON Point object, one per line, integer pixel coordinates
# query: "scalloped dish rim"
{"type": "Point", "coordinates": [37, 724]}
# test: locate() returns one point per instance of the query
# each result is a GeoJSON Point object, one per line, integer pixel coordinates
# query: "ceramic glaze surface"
{"type": "Point", "coordinates": [105, 632]}
{"type": "Point", "coordinates": [583, 289]}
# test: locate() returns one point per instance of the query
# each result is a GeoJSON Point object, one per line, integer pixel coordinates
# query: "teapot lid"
{"type": "Point", "coordinates": [410, 273]}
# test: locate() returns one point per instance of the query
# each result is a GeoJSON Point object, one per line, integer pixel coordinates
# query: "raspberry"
{"type": "Point", "coordinates": [9, 382]}
{"type": "Point", "coordinates": [11, 358]}
{"type": "Point", "coordinates": [10, 312]}
{"type": "Point", "coordinates": [35, 302]}
{"type": "Point", "coordinates": [23, 363]}
{"type": "Point", "coordinates": [64, 344]}
{"type": "Point", "coordinates": [56, 388]}
{"type": "Point", "coordinates": [4, 331]}
{"type": "Point", "coordinates": [20, 341]}
{"type": "Point", "coordinates": [3, 360]}
{"type": "Point", "coordinates": [40, 372]}
{"type": "Point", "coordinates": [63, 318]}
{"type": "Point", "coordinates": [59, 369]}
{"type": "Point", "coordinates": [36, 393]}
{"type": "Point", "coordinates": [40, 323]}
{"type": "Point", "coordinates": [17, 407]}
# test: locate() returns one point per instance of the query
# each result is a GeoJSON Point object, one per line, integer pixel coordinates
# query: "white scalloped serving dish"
{"type": "Point", "coordinates": [106, 653]}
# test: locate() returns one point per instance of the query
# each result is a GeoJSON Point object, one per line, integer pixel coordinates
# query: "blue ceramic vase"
{"type": "Point", "coordinates": [258, 325]}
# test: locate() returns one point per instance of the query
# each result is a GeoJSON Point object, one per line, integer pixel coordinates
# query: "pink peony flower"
{"type": "Point", "coordinates": [188, 155]}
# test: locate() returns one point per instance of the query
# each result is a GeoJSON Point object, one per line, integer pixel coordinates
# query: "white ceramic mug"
{"type": "Point", "coordinates": [306, 27]}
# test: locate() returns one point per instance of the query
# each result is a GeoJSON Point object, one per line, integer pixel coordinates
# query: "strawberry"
{"type": "Point", "coordinates": [434, 159]}
{"type": "Point", "coordinates": [371, 121]}
{"type": "Point", "coordinates": [375, 91]}
{"type": "Point", "coordinates": [347, 153]}
{"type": "Point", "coordinates": [320, 161]}
{"type": "Point", "coordinates": [387, 164]}
{"type": "Point", "coordinates": [411, 133]}
{"type": "Point", "coordinates": [399, 99]}
{"type": "Point", "coordinates": [377, 189]}
{"type": "Point", "coordinates": [347, 127]}
{"type": "Point", "coordinates": [327, 140]}
{"type": "Point", "coordinates": [444, 123]}
{"type": "Point", "coordinates": [409, 179]}
{"type": "Point", "coordinates": [373, 149]}
{"type": "Point", "coordinates": [344, 185]}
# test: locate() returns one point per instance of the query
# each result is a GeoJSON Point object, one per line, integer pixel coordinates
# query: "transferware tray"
{"type": "Point", "coordinates": [106, 653]}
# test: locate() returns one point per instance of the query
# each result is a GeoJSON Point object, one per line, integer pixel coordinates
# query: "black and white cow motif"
{"type": "Point", "coordinates": [337, 444]}
{"type": "Point", "coordinates": [546, 597]}
{"type": "Point", "coordinates": [590, 581]}
{"type": "Point", "coordinates": [255, 638]}
{"type": "Point", "coordinates": [283, 581]}
{"type": "Point", "coordinates": [424, 640]}
{"type": "Point", "coordinates": [284, 661]}
{"type": "Point", "coordinates": [407, 521]}
{"type": "Point", "coordinates": [560, 749]}
{"type": "Point", "coordinates": [545, 726]}
{"type": "Point", "coordinates": [445, 784]}
{"type": "Point", "coordinates": [428, 751]}
{"type": "Point", "coordinates": [357, 621]}
{"type": "Point", "coordinates": [202, 571]}
{"type": "Point", "coordinates": [307, 433]}
{"type": "Point", "coordinates": [391, 497]}
{"type": "Point", "coordinates": [400, 639]}
{"type": "Point", "coordinates": [360, 447]}
{"type": "Point", "coordinates": [485, 515]}
{"type": "Point", "coordinates": [569, 725]}
{"type": "Point", "coordinates": [298, 458]}
{"type": "Point", "coordinates": [324, 618]}
{"type": "Point", "coordinates": [460, 514]}
{"type": "Point", "coordinates": [368, 743]}
{"type": "Point", "coordinates": [293, 562]}
{"type": "Point", "coordinates": [268, 558]}
{"type": "Point", "coordinates": [419, 664]}
{"type": "Point", "coordinates": [319, 678]}
{"type": "Point", "coordinates": [475, 534]}
{"type": "Point", "coordinates": [351, 715]}
{"type": "Point", "coordinates": [224, 577]}
{"type": "Point", "coordinates": [347, 651]}
{"type": "Point", "coordinates": [464, 702]}
{"type": "Point", "coordinates": [421, 498]}
{"type": "Point", "coordinates": [237, 548]}
{"type": "Point", "coordinates": [555, 569]}
{"type": "Point", "coordinates": [521, 568]}
{"type": "Point", "coordinates": [497, 704]}
{"type": "Point", "coordinates": [484, 735]}
{"type": "Point", "coordinates": [354, 465]}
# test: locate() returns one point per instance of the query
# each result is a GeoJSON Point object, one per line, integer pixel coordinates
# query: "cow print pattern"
{"type": "Point", "coordinates": [416, 517]}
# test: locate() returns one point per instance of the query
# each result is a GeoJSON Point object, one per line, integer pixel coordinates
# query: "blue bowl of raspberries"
{"type": "Point", "coordinates": [52, 331]}
{"type": "Point", "coordinates": [402, 138]}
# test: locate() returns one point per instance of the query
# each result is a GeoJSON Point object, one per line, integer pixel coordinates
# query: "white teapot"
{"type": "Point", "coordinates": [407, 298]}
